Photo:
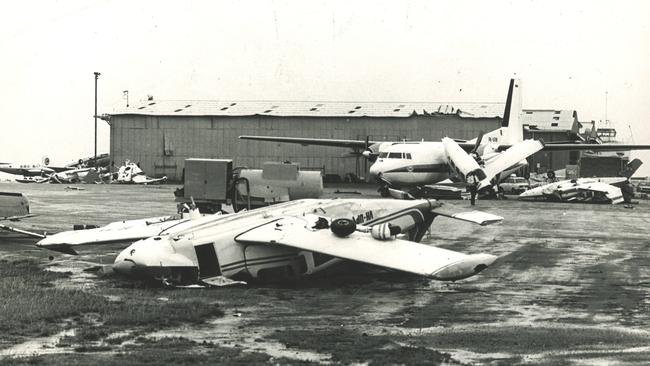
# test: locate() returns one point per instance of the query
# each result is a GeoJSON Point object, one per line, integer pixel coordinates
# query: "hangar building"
{"type": "Point", "coordinates": [161, 134]}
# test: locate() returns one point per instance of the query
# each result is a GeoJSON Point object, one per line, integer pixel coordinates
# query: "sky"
{"type": "Point", "coordinates": [591, 56]}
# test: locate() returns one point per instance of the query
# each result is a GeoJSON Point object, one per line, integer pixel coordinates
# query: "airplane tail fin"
{"type": "Point", "coordinates": [631, 168]}
{"type": "Point", "coordinates": [511, 131]}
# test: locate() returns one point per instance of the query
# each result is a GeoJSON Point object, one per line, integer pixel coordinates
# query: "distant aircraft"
{"type": "Point", "coordinates": [592, 190]}
{"type": "Point", "coordinates": [131, 173]}
{"type": "Point", "coordinates": [300, 238]}
{"type": "Point", "coordinates": [31, 170]}
{"type": "Point", "coordinates": [480, 162]}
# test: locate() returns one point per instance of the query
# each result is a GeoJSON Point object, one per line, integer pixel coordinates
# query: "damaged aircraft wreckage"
{"type": "Point", "coordinates": [287, 240]}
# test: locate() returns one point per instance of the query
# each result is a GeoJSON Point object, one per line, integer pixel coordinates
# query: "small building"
{"type": "Point", "coordinates": [552, 126]}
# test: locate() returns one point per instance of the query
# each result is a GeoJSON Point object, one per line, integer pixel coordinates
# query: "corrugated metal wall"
{"type": "Point", "coordinates": [161, 143]}
{"type": "Point", "coordinates": [542, 161]}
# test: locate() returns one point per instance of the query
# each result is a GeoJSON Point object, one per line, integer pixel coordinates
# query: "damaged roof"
{"type": "Point", "coordinates": [308, 109]}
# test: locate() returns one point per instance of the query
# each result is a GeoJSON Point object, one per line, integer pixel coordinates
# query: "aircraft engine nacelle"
{"type": "Point", "coordinates": [385, 231]}
{"type": "Point", "coordinates": [462, 163]}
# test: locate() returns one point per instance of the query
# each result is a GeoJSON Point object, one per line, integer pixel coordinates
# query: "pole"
{"type": "Point", "coordinates": [96, 77]}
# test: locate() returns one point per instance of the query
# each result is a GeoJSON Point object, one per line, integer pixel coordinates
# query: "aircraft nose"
{"type": "Point", "coordinates": [374, 172]}
{"type": "Point", "coordinates": [124, 266]}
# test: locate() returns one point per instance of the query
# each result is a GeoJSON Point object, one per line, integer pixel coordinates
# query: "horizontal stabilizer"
{"type": "Point", "coordinates": [477, 217]}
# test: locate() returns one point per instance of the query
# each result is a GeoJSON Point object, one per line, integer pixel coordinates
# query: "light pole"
{"type": "Point", "coordinates": [96, 77]}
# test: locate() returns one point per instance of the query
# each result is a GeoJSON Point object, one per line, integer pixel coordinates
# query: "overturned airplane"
{"type": "Point", "coordinates": [301, 238]}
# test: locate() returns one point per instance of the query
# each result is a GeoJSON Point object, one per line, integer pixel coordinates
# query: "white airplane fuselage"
{"type": "Point", "coordinates": [411, 163]}
{"type": "Point", "coordinates": [27, 170]}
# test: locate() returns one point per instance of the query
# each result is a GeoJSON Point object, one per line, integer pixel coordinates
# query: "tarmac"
{"type": "Point", "coordinates": [571, 285]}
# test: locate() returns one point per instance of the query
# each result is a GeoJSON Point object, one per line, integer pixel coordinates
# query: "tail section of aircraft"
{"type": "Point", "coordinates": [511, 131]}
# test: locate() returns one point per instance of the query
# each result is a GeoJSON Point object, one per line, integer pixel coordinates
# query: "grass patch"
{"type": "Point", "coordinates": [349, 347]}
{"type": "Point", "coordinates": [164, 351]}
{"type": "Point", "coordinates": [524, 340]}
{"type": "Point", "coordinates": [30, 307]}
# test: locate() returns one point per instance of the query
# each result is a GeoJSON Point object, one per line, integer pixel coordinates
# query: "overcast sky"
{"type": "Point", "coordinates": [567, 53]}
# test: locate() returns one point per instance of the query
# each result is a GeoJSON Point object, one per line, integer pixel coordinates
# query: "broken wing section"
{"type": "Point", "coordinates": [396, 254]}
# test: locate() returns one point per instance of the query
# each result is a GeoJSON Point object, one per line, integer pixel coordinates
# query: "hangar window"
{"type": "Point", "coordinates": [143, 107]}
{"type": "Point", "coordinates": [554, 124]}
{"type": "Point", "coordinates": [556, 118]}
{"type": "Point", "coordinates": [401, 106]}
{"type": "Point", "coordinates": [313, 109]}
{"type": "Point", "coordinates": [529, 112]}
{"type": "Point", "coordinates": [187, 106]}
{"type": "Point", "coordinates": [557, 112]}
{"type": "Point", "coordinates": [233, 104]}
{"type": "Point", "coordinates": [319, 105]}
{"type": "Point", "coordinates": [152, 103]}
{"type": "Point", "coordinates": [396, 110]}
{"type": "Point", "coordinates": [351, 111]}
{"type": "Point", "coordinates": [178, 110]}
{"type": "Point", "coordinates": [357, 107]}
{"type": "Point", "coordinates": [224, 108]}
{"type": "Point", "coordinates": [268, 111]}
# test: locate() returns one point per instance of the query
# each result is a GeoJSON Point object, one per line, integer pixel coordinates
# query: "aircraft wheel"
{"type": "Point", "coordinates": [343, 227]}
{"type": "Point", "coordinates": [383, 191]}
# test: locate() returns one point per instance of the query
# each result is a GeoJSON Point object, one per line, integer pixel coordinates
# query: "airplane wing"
{"type": "Point", "coordinates": [592, 147]}
{"type": "Point", "coordinates": [115, 232]}
{"type": "Point", "coordinates": [510, 157]}
{"type": "Point", "coordinates": [396, 254]}
{"type": "Point", "coordinates": [21, 231]}
{"type": "Point", "coordinates": [354, 144]}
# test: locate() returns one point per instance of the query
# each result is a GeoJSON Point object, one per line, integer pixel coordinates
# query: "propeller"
{"type": "Point", "coordinates": [474, 151]}
{"type": "Point", "coordinates": [368, 153]}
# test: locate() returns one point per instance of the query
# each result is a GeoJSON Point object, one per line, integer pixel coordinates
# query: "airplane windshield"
{"type": "Point", "coordinates": [394, 155]}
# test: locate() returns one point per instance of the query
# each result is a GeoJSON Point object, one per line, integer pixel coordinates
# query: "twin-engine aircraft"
{"type": "Point", "coordinates": [480, 162]}
{"type": "Point", "coordinates": [292, 239]}
{"type": "Point", "coordinates": [31, 170]}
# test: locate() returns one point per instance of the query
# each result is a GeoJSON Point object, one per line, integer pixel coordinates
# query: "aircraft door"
{"type": "Point", "coordinates": [208, 261]}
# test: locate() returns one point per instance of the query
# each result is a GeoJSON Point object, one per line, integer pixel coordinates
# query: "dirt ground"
{"type": "Point", "coordinates": [571, 286]}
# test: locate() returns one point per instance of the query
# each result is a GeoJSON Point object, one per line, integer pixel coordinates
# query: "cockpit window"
{"type": "Point", "coordinates": [395, 155]}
